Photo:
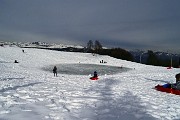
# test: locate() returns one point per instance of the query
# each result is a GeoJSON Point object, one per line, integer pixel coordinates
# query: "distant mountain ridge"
{"type": "Point", "coordinates": [139, 56]}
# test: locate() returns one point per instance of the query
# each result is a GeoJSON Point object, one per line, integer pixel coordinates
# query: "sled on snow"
{"type": "Point", "coordinates": [94, 78]}
{"type": "Point", "coordinates": [167, 89]}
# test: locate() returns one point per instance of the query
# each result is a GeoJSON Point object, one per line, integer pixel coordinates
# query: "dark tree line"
{"type": "Point", "coordinates": [120, 53]}
{"type": "Point", "coordinates": [114, 52]}
{"type": "Point", "coordinates": [117, 53]}
{"type": "Point", "coordinates": [94, 47]}
{"type": "Point", "coordinates": [154, 60]}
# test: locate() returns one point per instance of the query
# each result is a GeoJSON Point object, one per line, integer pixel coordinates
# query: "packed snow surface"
{"type": "Point", "coordinates": [27, 92]}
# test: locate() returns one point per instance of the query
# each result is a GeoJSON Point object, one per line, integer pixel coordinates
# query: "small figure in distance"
{"type": "Point", "coordinates": [95, 74]}
{"type": "Point", "coordinates": [55, 71]}
{"type": "Point", "coordinates": [95, 77]}
{"type": "Point", "coordinates": [16, 61]}
{"type": "Point", "coordinates": [23, 51]}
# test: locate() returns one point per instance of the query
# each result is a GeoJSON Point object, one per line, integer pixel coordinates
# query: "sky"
{"type": "Point", "coordinates": [129, 24]}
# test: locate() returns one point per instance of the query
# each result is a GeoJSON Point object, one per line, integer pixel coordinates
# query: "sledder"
{"type": "Point", "coordinates": [177, 84]}
{"type": "Point", "coordinates": [170, 88]}
{"type": "Point", "coordinates": [95, 77]}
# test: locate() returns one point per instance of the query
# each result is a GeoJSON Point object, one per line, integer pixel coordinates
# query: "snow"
{"type": "Point", "coordinates": [27, 92]}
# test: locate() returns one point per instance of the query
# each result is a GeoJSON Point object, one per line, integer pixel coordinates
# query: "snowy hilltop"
{"type": "Point", "coordinates": [29, 90]}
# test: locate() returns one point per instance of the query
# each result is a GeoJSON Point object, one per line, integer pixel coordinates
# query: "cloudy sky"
{"type": "Point", "coordinates": [130, 24]}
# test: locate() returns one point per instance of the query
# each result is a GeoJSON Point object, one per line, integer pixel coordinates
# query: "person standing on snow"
{"type": "Point", "coordinates": [55, 71]}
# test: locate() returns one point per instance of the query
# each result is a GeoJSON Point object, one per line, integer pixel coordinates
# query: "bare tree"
{"type": "Point", "coordinates": [90, 45]}
{"type": "Point", "coordinates": [97, 46]}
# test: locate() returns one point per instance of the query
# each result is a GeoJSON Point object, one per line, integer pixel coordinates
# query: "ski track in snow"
{"type": "Point", "coordinates": [27, 92]}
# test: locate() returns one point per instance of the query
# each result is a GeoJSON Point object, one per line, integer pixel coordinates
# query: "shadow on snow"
{"type": "Point", "coordinates": [112, 106]}
{"type": "Point", "coordinates": [6, 79]}
{"type": "Point", "coordinates": [19, 86]}
{"type": "Point", "coordinates": [164, 81]}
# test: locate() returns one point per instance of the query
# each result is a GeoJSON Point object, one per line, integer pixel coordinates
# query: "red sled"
{"type": "Point", "coordinates": [167, 90]}
{"type": "Point", "coordinates": [94, 78]}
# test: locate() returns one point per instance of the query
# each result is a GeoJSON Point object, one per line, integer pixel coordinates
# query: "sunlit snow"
{"type": "Point", "coordinates": [28, 92]}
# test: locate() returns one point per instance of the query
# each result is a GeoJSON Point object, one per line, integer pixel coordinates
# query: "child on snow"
{"type": "Point", "coordinates": [95, 74]}
{"type": "Point", "coordinates": [16, 61]}
{"type": "Point", "coordinates": [177, 84]}
{"type": "Point", "coordinates": [177, 77]}
{"type": "Point", "coordinates": [95, 77]}
{"type": "Point", "coordinates": [55, 71]}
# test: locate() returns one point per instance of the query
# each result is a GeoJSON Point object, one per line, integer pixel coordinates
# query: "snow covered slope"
{"type": "Point", "coordinates": [29, 93]}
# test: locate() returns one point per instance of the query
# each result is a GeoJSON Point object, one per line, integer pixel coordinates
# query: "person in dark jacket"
{"type": "Point", "coordinates": [177, 77]}
{"type": "Point", "coordinates": [177, 84]}
{"type": "Point", "coordinates": [16, 61]}
{"type": "Point", "coordinates": [55, 71]}
{"type": "Point", "coordinates": [95, 74]}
